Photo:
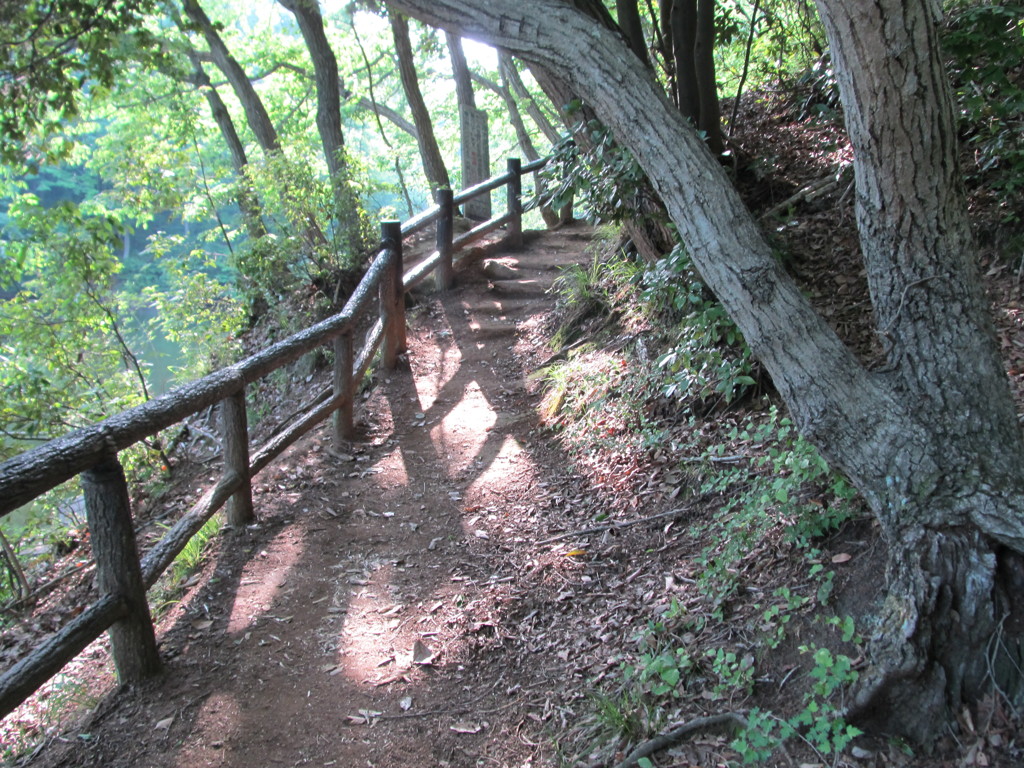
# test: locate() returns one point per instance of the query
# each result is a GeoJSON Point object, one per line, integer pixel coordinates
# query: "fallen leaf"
{"type": "Point", "coordinates": [576, 553]}
{"type": "Point", "coordinates": [464, 726]}
{"type": "Point", "coordinates": [164, 724]}
{"type": "Point", "coordinates": [421, 654]}
{"type": "Point", "coordinates": [842, 557]}
{"type": "Point", "coordinates": [202, 625]}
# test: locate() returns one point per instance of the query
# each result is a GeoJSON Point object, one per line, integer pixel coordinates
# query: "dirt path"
{"type": "Point", "coordinates": [379, 613]}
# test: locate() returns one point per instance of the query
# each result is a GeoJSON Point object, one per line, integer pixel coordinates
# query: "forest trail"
{"type": "Point", "coordinates": [379, 613]}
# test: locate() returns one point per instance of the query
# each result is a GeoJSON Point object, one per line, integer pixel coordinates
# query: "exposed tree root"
{"type": "Point", "coordinates": [728, 722]}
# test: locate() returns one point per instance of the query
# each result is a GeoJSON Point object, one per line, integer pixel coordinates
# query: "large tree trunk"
{"type": "Point", "coordinates": [932, 440]}
{"type": "Point", "coordinates": [960, 494]}
{"type": "Point", "coordinates": [433, 163]}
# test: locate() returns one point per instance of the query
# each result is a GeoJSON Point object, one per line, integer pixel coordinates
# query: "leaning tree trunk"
{"type": "Point", "coordinates": [433, 163]}
{"type": "Point", "coordinates": [507, 70]}
{"type": "Point", "coordinates": [328, 120]}
{"type": "Point", "coordinates": [932, 440]}
{"type": "Point", "coordinates": [248, 204]}
{"type": "Point", "coordinates": [519, 90]}
{"type": "Point", "coordinates": [255, 113]}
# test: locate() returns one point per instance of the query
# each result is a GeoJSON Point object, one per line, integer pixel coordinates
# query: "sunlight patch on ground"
{"type": "Point", "coordinates": [462, 433]}
{"type": "Point", "coordinates": [432, 374]}
{"type": "Point", "coordinates": [255, 597]}
{"type": "Point", "coordinates": [367, 641]}
{"type": "Point", "coordinates": [392, 466]}
{"type": "Point", "coordinates": [497, 472]}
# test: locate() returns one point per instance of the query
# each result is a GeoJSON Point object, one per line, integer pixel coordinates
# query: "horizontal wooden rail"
{"type": "Point", "coordinates": [92, 451]}
{"type": "Point", "coordinates": [46, 660]}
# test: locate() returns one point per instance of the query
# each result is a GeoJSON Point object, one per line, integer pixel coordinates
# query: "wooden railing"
{"type": "Point", "coordinates": [91, 452]}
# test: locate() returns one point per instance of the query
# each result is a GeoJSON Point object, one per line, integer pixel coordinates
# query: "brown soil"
{"type": "Point", "coordinates": [436, 594]}
{"type": "Point", "coordinates": [391, 607]}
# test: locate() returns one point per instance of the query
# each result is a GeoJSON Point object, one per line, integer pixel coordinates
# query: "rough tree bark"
{"type": "Point", "coordinates": [433, 163]}
{"type": "Point", "coordinates": [931, 440]}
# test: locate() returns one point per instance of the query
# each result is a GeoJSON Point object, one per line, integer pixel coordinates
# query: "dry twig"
{"type": "Point", "coordinates": [728, 722]}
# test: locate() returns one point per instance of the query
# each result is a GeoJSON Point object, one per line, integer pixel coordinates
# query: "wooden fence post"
{"type": "Point", "coordinates": [515, 203]}
{"type": "Point", "coordinates": [392, 295]}
{"type": "Point", "coordinates": [108, 511]}
{"type": "Point", "coordinates": [344, 428]}
{"type": "Point", "coordinates": [444, 277]}
{"type": "Point", "coordinates": [239, 509]}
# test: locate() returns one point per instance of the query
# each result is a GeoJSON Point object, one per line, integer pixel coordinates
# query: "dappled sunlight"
{"type": "Point", "coordinates": [370, 646]}
{"type": "Point", "coordinates": [255, 596]}
{"type": "Point", "coordinates": [493, 475]}
{"type": "Point", "coordinates": [461, 434]}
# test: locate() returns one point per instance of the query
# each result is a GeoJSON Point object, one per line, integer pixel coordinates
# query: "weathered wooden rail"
{"type": "Point", "coordinates": [91, 452]}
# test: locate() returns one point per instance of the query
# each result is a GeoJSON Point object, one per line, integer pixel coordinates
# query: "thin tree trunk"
{"type": "Point", "coordinates": [460, 71]}
{"type": "Point", "coordinates": [629, 22]}
{"type": "Point", "coordinates": [328, 119]}
{"type": "Point", "coordinates": [710, 115]}
{"type": "Point", "coordinates": [522, 94]}
{"type": "Point", "coordinates": [246, 198]}
{"type": "Point", "coordinates": [433, 162]}
{"type": "Point", "coordinates": [684, 45]}
{"type": "Point", "coordinates": [505, 67]}
{"type": "Point", "coordinates": [255, 113]}
{"type": "Point", "coordinates": [710, 120]}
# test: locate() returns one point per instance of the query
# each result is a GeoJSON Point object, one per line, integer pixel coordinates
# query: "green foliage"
{"type": "Point", "coordinates": [707, 361]}
{"type": "Point", "coordinates": [603, 181]}
{"type": "Point", "coordinates": [819, 724]}
{"type": "Point", "coordinates": [192, 555]}
{"type": "Point", "coordinates": [55, 53]}
{"type": "Point", "coordinates": [62, 358]}
{"type": "Point", "coordinates": [620, 716]}
{"type": "Point", "coordinates": [985, 43]}
{"type": "Point", "coordinates": [788, 484]}
{"type": "Point", "coordinates": [196, 311]}
{"type": "Point", "coordinates": [66, 698]}
{"type": "Point", "coordinates": [787, 39]}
